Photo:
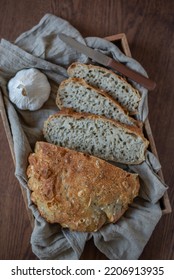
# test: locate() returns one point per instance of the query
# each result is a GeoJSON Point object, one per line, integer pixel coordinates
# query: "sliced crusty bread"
{"type": "Point", "coordinates": [107, 80]}
{"type": "Point", "coordinates": [96, 135]}
{"type": "Point", "coordinates": [78, 191]}
{"type": "Point", "coordinates": [77, 94]}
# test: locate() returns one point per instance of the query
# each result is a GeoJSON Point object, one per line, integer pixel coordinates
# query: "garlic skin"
{"type": "Point", "coordinates": [29, 89]}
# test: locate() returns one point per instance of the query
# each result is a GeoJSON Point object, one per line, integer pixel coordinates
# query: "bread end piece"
{"type": "Point", "coordinates": [78, 191]}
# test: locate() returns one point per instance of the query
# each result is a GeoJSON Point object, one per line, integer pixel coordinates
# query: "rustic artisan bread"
{"type": "Point", "coordinates": [96, 135]}
{"type": "Point", "coordinates": [108, 81]}
{"type": "Point", "coordinates": [77, 94]}
{"type": "Point", "coordinates": [78, 191]}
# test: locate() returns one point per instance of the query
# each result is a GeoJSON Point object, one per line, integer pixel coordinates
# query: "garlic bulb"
{"type": "Point", "coordinates": [29, 89]}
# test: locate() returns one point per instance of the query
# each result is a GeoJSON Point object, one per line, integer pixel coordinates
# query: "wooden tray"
{"type": "Point", "coordinates": [121, 41]}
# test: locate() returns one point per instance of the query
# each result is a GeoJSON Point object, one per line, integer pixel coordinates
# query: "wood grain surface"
{"type": "Point", "coordinates": [149, 27]}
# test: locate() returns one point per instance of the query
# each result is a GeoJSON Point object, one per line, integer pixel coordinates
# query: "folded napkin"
{"type": "Point", "coordinates": [41, 48]}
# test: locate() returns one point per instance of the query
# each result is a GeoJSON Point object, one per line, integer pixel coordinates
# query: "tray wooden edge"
{"type": "Point", "coordinates": [165, 202]}
{"type": "Point", "coordinates": [10, 142]}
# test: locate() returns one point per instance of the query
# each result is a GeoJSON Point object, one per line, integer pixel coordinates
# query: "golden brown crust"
{"type": "Point", "coordinates": [76, 190]}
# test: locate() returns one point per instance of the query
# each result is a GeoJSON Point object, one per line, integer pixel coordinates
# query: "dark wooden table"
{"type": "Point", "coordinates": [149, 27]}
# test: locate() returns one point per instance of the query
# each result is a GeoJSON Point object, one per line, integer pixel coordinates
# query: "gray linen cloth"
{"type": "Point", "coordinates": [41, 48]}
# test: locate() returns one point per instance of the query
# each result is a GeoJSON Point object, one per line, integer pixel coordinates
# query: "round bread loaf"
{"type": "Point", "coordinates": [78, 191]}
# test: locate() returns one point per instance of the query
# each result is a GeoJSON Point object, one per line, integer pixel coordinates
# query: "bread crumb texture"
{"type": "Point", "coordinates": [96, 135]}
{"type": "Point", "coordinates": [108, 81]}
{"type": "Point", "coordinates": [77, 94]}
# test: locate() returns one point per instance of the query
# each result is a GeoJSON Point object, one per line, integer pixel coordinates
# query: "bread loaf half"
{"type": "Point", "coordinates": [78, 191]}
{"type": "Point", "coordinates": [77, 94]}
{"type": "Point", "coordinates": [96, 135]}
{"type": "Point", "coordinates": [108, 81]}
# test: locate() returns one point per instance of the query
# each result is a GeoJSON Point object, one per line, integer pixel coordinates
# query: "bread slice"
{"type": "Point", "coordinates": [107, 80]}
{"type": "Point", "coordinates": [96, 135]}
{"type": "Point", "coordinates": [77, 94]}
{"type": "Point", "coordinates": [78, 191]}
